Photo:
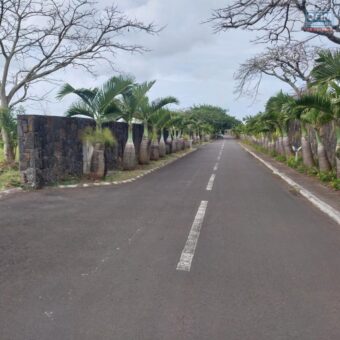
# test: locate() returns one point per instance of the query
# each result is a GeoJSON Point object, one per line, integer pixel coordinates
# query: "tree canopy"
{"type": "Point", "coordinates": [215, 116]}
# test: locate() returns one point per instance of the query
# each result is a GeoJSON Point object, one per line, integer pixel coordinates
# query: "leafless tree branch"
{"type": "Point", "coordinates": [40, 37]}
{"type": "Point", "coordinates": [276, 20]}
{"type": "Point", "coordinates": [291, 63]}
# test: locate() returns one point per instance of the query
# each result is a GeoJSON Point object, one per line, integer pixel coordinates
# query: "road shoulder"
{"type": "Point", "coordinates": [319, 195]}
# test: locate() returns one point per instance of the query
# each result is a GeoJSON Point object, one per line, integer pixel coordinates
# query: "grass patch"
{"type": "Point", "coordinates": [9, 179]}
{"type": "Point", "coordinates": [335, 184]}
{"type": "Point", "coordinates": [9, 175]}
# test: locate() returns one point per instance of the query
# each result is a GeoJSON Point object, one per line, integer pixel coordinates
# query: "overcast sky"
{"type": "Point", "coordinates": [187, 59]}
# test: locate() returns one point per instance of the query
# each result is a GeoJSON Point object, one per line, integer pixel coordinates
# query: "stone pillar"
{"type": "Point", "coordinates": [30, 162]}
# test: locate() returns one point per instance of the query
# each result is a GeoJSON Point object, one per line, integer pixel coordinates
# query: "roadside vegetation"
{"type": "Point", "coordinates": [9, 174]}
{"type": "Point", "coordinates": [314, 118]}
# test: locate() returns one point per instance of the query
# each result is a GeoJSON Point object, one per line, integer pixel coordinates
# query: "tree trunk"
{"type": "Point", "coordinates": [286, 147]}
{"type": "Point", "coordinates": [281, 146]}
{"type": "Point", "coordinates": [169, 144]}
{"type": "Point", "coordinates": [162, 148]}
{"type": "Point", "coordinates": [9, 154]}
{"type": "Point", "coordinates": [98, 161]}
{"type": "Point", "coordinates": [324, 165]}
{"type": "Point", "coordinates": [144, 152]}
{"type": "Point", "coordinates": [129, 155]}
{"type": "Point", "coordinates": [173, 146]}
{"type": "Point", "coordinates": [307, 155]}
{"type": "Point", "coordinates": [337, 151]}
{"type": "Point", "coordinates": [154, 150]}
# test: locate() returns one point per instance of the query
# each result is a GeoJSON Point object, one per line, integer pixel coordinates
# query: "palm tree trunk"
{"type": "Point", "coordinates": [279, 146]}
{"type": "Point", "coordinates": [162, 147]}
{"type": "Point", "coordinates": [129, 155]}
{"type": "Point", "coordinates": [337, 151]}
{"type": "Point", "coordinates": [144, 151]}
{"type": "Point", "coordinates": [324, 165]}
{"type": "Point", "coordinates": [98, 161]}
{"type": "Point", "coordinates": [307, 154]}
{"type": "Point", "coordinates": [174, 143]}
{"type": "Point", "coordinates": [154, 146]}
{"type": "Point", "coordinates": [169, 143]}
{"type": "Point", "coordinates": [286, 146]}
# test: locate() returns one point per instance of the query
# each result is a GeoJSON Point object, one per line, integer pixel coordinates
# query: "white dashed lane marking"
{"type": "Point", "coordinates": [211, 182]}
{"type": "Point", "coordinates": [188, 252]}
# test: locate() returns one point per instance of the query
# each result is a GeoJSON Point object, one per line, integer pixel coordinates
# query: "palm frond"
{"type": "Point", "coordinates": [79, 108]}
{"type": "Point", "coordinates": [161, 102]}
{"type": "Point", "coordinates": [110, 90]}
{"type": "Point", "coordinates": [316, 101]}
{"type": "Point", "coordinates": [327, 66]}
{"type": "Point", "coordinates": [87, 95]}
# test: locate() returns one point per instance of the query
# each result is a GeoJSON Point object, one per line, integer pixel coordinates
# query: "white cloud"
{"type": "Point", "coordinates": [187, 59]}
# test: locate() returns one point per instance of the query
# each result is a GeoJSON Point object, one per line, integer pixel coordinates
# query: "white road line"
{"type": "Point", "coordinates": [219, 158]}
{"type": "Point", "coordinates": [188, 252]}
{"type": "Point", "coordinates": [216, 167]}
{"type": "Point", "coordinates": [211, 182]}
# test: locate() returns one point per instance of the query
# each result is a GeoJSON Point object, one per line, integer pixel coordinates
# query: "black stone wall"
{"type": "Point", "coordinates": [51, 148]}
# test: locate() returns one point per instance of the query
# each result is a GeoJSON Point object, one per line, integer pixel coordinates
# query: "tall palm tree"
{"type": "Point", "coordinates": [327, 71]}
{"type": "Point", "coordinates": [276, 107]}
{"type": "Point", "coordinates": [319, 110]}
{"type": "Point", "coordinates": [158, 120]}
{"type": "Point", "coordinates": [147, 109]}
{"type": "Point", "coordinates": [102, 105]}
{"type": "Point", "coordinates": [129, 109]}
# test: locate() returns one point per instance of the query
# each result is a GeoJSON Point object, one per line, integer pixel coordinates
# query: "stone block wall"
{"type": "Point", "coordinates": [51, 148]}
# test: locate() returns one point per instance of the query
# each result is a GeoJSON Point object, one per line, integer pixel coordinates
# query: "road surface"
{"type": "Point", "coordinates": [213, 246]}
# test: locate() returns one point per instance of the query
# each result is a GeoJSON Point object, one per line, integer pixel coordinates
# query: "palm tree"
{"type": "Point", "coordinates": [158, 121]}
{"type": "Point", "coordinates": [129, 109]}
{"type": "Point", "coordinates": [101, 105]}
{"type": "Point", "coordinates": [276, 108]}
{"type": "Point", "coordinates": [319, 110]}
{"type": "Point", "coordinates": [171, 141]}
{"type": "Point", "coordinates": [147, 109]}
{"type": "Point", "coordinates": [327, 71]}
{"type": "Point", "coordinates": [164, 118]}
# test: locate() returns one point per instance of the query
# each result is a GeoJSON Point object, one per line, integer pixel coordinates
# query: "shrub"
{"type": "Point", "coordinates": [293, 163]}
{"type": "Point", "coordinates": [94, 136]}
{"type": "Point", "coordinates": [326, 176]}
{"type": "Point", "coordinates": [280, 158]}
{"type": "Point", "coordinates": [312, 171]}
{"type": "Point", "coordinates": [335, 184]}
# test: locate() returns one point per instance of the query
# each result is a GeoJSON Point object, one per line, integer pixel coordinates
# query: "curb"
{"type": "Point", "coordinates": [7, 192]}
{"type": "Point", "coordinates": [133, 179]}
{"type": "Point", "coordinates": [317, 202]}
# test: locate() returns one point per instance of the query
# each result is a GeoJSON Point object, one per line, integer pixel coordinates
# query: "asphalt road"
{"type": "Point", "coordinates": [165, 258]}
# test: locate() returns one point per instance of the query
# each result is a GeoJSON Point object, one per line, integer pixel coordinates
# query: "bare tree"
{"type": "Point", "coordinates": [278, 19]}
{"type": "Point", "coordinates": [291, 63]}
{"type": "Point", "coordinates": [40, 37]}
